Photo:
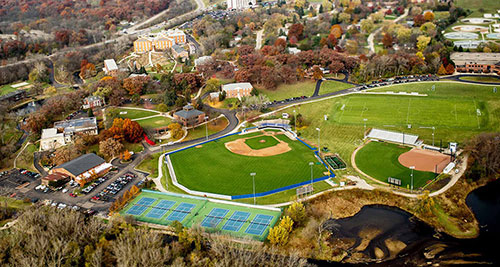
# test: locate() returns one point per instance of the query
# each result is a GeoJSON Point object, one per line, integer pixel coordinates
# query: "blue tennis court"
{"type": "Point", "coordinates": [259, 224]}
{"type": "Point", "coordinates": [236, 221]}
{"type": "Point", "coordinates": [136, 210]}
{"type": "Point", "coordinates": [180, 212]}
{"type": "Point", "coordinates": [146, 201]}
{"type": "Point", "coordinates": [215, 216]}
{"type": "Point", "coordinates": [160, 209]}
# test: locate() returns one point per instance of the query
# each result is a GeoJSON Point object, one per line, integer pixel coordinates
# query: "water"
{"type": "Point", "coordinates": [388, 223]}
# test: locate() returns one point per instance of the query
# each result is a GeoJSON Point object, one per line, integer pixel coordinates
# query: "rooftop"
{"type": "Point", "coordinates": [178, 49]}
{"type": "Point", "coordinates": [188, 112]}
{"type": "Point", "coordinates": [461, 58]}
{"type": "Point", "coordinates": [82, 164]}
{"type": "Point", "coordinates": [72, 125]}
{"type": "Point", "coordinates": [50, 133]}
{"type": "Point", "coordinates": [110, 64]}
{"type": "Point", "coordinates": [235, 86]}
{"type": "Point", "coordinates": [394, 137]}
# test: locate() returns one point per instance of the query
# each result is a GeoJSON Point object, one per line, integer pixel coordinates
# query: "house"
{"type": "Point", "coordinates": [51, 139]}
{"type": "Point", "coordinates": [162, 41]}
{"type": "Point", "coordinates": [189, 116]}
{"type": "Point", "coordinates": [202, 60]}
{"type": "Point", "coordinates": [92, 102]}
{"type": "Point", "coordinates": [63, 132]}
{"type": "Point", "coordinates": [240, 4]}
{"type": "Point", "coordinates": [476, 62]}
{"type": "Point", "coordinates": [13, 96]}
{"type": "Point", "coordinates": [84, 168]}
{"type": "Point", "coordinates": [294, 50]}
{"type": "Point", "coordinates": [110, 67]}
{"type": "Point", "coordinates": [179, 52]}
{"type": "Point", "coordinates": [237, 90]}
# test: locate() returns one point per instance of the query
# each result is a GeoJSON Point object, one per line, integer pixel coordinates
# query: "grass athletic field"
{"type": "Point", "coordinates": [213, 168]}
{"type": "Point", "coordinates": [380, 161]}
{"type": "Point", "coordinates": [343, 133]}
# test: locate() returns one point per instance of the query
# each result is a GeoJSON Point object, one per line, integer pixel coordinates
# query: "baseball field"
{"type": "Point", "coordinates": [224, 166]}
{"type": "Point", "coordinates": [380, 161]}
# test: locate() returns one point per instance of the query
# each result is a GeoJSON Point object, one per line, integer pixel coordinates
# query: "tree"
{"type": "Point", "coordinates": [403, 34]}
{"type": "Point", "coordinates": [336, 30]}
{"type": "Point", "coordinates": [110, 147]}
{"type": "Point", "coordinates": [136, 85]}
{"type": "Point", "coordinates": [422, 42]}
{"type": "Point", "coordinates": [51, 90]}
{"type": "Point", "coordinates": [442, 70]}
{"type": "Point", "coordinates": [317, 73]}
{"type": "Point", "coordinates": [175, 130]}
{"type": "Point", "coordinates": [65, 154]}
{"type": "Point", "coordinates": [279, 234]}
{"type": "Point", "coordinates": [297, 212]}
{"type": "Point", "coordinates": [426, 203]}
{"type": "Point", "coordinates": [418, 20]}
{"type": "Point", "coordinates": [133, 131]}
{"type": "Point", "coordinates": [126, 155]}
{"type": "Point", "coordinates": [450, 69]}
{"type": "Point", "coordinates": [387, 40]}
{"type": "Point", "coordinates": [162, 107]}
{"type": "Point", "coordinates": [352, 46]}
{"type": "Point", "coordinates": [367, 25]}
{"type": "Point", "coordinates": [296, 30]}
{"type": "Point", "coordinates": [429, 16]}
{"type": "Point", "coordinates": [345, 17]}
{"type": "Point", "coordinates": [428, 28]}
{"type": "Point", "coordinates": [213, 85]}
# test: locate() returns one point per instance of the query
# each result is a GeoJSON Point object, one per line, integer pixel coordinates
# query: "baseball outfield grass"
{"type": "Point", "coordinates": [213, 168]}
{"type": "Point", "coordinates": [260, 142]}
{"type": "Point", "coordinates": [380, 161]}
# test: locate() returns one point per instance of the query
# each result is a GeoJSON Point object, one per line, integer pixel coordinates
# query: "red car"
{"type": "Point", "coordinates": [72, 195]}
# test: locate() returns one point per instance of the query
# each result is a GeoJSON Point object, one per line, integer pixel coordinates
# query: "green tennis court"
{"type": "Point", "coordinates": [216, 216]}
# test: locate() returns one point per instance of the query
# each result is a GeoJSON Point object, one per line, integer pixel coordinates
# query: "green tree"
{"type": "Point", "coordinates": [297, 212]}
{"type": "Point", "coordinates": [422, 42]}
{"type": "Point", "coordinates": [367, 25]}
{"type": "Point", "coordinates": [213, 85]}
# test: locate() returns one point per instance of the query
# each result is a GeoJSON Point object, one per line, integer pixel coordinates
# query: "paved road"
{"type": "Point", "coordinates": [458, 77]}
{"type": "Point", "coordinates": [319, 82]}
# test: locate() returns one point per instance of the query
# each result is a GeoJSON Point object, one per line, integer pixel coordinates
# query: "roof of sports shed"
{"type": "Point", "coordinates": [394, 137]}
{"type": "Point", "coordinates": [82, 164]}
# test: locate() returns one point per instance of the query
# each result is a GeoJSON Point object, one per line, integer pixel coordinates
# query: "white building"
{"type": "Point", "coordinates": [51, 139]}
{"type": "Point", "coordinates": [240, 4]}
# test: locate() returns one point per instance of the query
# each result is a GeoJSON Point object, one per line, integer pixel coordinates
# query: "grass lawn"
{"type": "Point", "coordinates": [14, 203]}
{"type": "Point", "coordinates": [285, 91]}
{"type": "Point", "coordinates": [25, 160]}
{"type": "Point", "coordinates": [213, 127]}
{"type": "Point", "coordinates": [343, 131]}
{"type": "Point", "coordinates": [5, 89]}
{"type": "Point", "coordinates": [135, 147]}
{"type": "Point", "coordinates": [489, 6]}
{"type": "Point", "coordinates": [333, 86]}
{"type": "Point", "coordinates": [150, 164]}
{"type": "Point", "coordinates": [135, 114]}
{"type": "Point", "coordinates": [213, 168]}
{"type": "Point", "coordinates": [255, 142]}
{"type": "Point", "coordinates": [380, 161]}
{"type": "Point", "coordinates": [155, 122]}
{"type": "Point", "coordinates": [492, 79]}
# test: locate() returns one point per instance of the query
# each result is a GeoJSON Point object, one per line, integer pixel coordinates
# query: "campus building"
{"type": "Point", "coordinates": [237, 90]}
{"type": "Point", "coordinates": [240, 4]}
{"type": "Point", "coordinates": [476, 62]}
{"type": "Point", "coordinates": [83, 169]}
{"type": "Point", "coordinates": [92, 101]}
{"type": "Point", "coordinates": [110, 67]}
{"type": "Point", "coordinates": [161, 41]}
{"type": "Point", "coordinates": [189, 116]}
{"type": "Point", "coordinates": [179, 52]}
{"type": "Point", "coordinates": [63, 132]}
{"type": "Point", "coordinates": [13, 96]}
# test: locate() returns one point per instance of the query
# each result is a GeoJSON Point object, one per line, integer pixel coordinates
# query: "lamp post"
{"type": "Point", "coordinates": [311, 164]}
{"type": "Point", "coordinates": [295, 121]}
{"type": "Point", "coordinates": [433, 128]}
{"type": "Point", "coordinates": [253, 179]}
{"type": "Point", "coordinates": [206, 126]}
{"type": "Point", "coordinates": [319, 144]}
{"type": "Point", "coordinates": [411, 187]}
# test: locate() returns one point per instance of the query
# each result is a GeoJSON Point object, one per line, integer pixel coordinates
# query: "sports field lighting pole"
{"type": "Point", "coordinates": [206, 126]}
{"type": "Point", "coordinates": [411, 188]}
{"type": "Point", "coordinates": [295, 121]}
{"type": "Point", "coordinates": [319, 144]}
{"type": "Point", "coordinates": [253, 178]}
{"type": "Point", "coordinates": [433, 128]}
{"type": "Point", "coordinates": [311, 164]}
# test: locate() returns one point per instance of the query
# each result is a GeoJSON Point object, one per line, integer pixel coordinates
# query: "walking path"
{"type": "Point", "coordinates": [258, 39]}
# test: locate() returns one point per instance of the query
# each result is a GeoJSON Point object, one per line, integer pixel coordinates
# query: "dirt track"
{"type": "Point", "coordinates": [240, 147]}
{"type": "Point", "coordinates": [424, 160]}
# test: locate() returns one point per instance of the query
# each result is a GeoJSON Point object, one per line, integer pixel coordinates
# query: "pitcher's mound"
{"type": "Point", "coordinates": [262, 141]}
{"type": "Point", "coordinates": [424, 160]}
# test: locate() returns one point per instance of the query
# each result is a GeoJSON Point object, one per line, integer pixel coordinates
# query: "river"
{"type": "Point", "coordinates": [388, 236]}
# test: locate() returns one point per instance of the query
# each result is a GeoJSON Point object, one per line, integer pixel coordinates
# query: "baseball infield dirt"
{"type": "Point", "coordinates": [424, 160]}
{"type": "Point", "coordinates": [240, 147]}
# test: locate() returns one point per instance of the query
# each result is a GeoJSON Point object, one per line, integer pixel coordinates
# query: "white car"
{"type": "Point", "coordinates": [65, 190]}
{"type": "Point", "coordinates": [62, 206]}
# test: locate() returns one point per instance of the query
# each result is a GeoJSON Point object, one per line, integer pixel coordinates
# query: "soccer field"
{"type": "Point", "coordinates": [213, 168]}
{"type": "Point", "coordinates": [391, 111]}
{"type": "Point", "coordinates": [380, 161]}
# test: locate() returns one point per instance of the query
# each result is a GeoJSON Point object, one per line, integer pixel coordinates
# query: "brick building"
{"type": "Point", "coordinates": [189, 116]}
{"type": "Point", "coordinates": [476, 62]}
{"type": "Point", "coordinates": [160, 41]}
{"type": "Point", "coordinates": [237, 90]}
{"type": "Point", "coordinates": [83, 169]}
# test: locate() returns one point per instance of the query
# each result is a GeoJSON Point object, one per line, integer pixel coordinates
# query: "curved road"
{"type": "Point", "coordinates": [457, 77]}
